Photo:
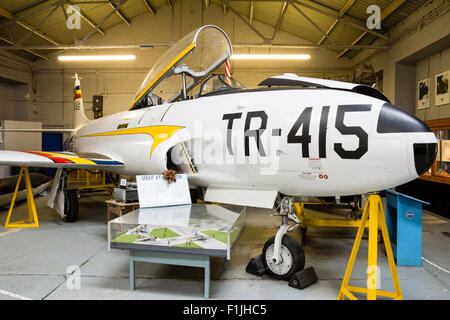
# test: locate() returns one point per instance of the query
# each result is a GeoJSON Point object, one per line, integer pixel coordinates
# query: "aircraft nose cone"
{"type": "Point", "coordinates": [392, 119]}
{"type": "Point", "coordinates": [424, 156]}
{"type": "Point", "coordinates": [395, 120]}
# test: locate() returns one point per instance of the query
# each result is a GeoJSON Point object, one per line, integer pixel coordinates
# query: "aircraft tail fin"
{"type": "Point", "coordinates": [79, 115]}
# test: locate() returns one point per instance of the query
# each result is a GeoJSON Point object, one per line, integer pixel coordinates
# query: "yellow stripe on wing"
{"type": "Point", "coordinates": [76, 160]}
{"type": "Point", "coordinates": [158, 133]}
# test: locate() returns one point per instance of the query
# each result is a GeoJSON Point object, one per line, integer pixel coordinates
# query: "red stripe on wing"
{"type": "Point", "coordinates": [55, 159]}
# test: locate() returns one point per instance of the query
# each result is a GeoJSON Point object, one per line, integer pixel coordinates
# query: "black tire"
{"type": "Point", "coordinates": [70, 205]}
{"type": "Point", "coordinates": [303, 233]}
{"type": "Point", "coordinates": [295, 251]}
{"type": "Point", "coordinates": [196, 194]}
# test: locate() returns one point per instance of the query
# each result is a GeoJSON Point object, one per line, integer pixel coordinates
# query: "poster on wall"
{"type": "Point", "coordinates": [423, 95]}
{"type": "Point", "coordinates": [441, 94]}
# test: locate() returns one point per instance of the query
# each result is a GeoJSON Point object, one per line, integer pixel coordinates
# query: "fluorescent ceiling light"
{"type": "Point", "coordinates": [270, 56]}
{"type": "Point", "coordinates": [97, 58]}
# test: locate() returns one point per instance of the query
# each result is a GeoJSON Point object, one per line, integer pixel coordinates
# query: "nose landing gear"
{"type": "Point", "coordinates": [282, 255]}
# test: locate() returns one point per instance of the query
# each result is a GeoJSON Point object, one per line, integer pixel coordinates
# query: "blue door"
{"type": "Point", "coordinates": [52, 141]}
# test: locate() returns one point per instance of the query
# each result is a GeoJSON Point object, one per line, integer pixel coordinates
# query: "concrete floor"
{"type": "Point", "coordinates": [34, 262]}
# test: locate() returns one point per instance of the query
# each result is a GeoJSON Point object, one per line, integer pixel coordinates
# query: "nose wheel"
{"type": "Point", "coordinates": [282, 255]}
{"type": "Point", "coordinates": [292, 258]}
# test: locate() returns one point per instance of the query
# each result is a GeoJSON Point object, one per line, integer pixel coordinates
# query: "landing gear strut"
{"type": "Point", "coordinates": [282, 255]}
{"type": "Point", "coordinates": [70, 205]}
{"type": "Point", "coordinates": [64, 200]}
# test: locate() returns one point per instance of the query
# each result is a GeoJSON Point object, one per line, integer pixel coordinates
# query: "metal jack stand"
{"type": "Point", "coordinates": [32, 214]}
{"type": "Point", "coordinates": [374, 212]}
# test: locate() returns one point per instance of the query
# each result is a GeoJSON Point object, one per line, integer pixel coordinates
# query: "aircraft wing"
{"type": "Point", "coordinates": [55, 160]}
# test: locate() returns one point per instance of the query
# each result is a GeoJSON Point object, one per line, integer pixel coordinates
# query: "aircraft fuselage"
{"type": "Point", "coordinates": [318, 142]}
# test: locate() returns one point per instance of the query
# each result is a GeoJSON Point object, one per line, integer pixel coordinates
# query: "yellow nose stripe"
{"type": "Point", "coordinates": [158, 133]}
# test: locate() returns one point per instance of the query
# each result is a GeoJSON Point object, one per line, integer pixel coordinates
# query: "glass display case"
{"type": "Point", "coordinates": [206, 229]}
{"type": "Point", "coordinates": [440, 171]}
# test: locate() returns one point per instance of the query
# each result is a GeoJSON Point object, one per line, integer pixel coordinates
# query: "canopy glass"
{"type": "Point", "coordinates": [196, 56]}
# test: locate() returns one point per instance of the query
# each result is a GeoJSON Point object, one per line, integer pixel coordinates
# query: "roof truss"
{"type": "Point", "coordinates": [338, 16]}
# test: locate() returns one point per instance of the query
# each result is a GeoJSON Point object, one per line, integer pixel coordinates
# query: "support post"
{"type": "Point", "coordinates": [207, 279]}
{"type": "Point", "coordinates": [373, 211]}
{"type": "Point", "coordinates": [32, 214]}
{"type": "Point", "coordinates": [132, 273]}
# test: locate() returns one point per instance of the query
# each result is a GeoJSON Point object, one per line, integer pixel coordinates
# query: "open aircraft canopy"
{"type": "Point", "coordinates": [194, 57]}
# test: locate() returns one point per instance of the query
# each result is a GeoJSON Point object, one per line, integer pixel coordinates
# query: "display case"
{"type": "Point", "coordinates": [440, 171]}
{"type": "Point", "coordinates": [205, 229]}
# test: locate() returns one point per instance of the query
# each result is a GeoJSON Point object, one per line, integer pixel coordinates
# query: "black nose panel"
{"type": "Point", "coordinates": [424, 156]}
{"type": "Point", "coordinates": [396, 120]}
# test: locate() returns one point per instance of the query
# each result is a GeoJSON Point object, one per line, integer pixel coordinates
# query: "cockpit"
{"type": "Point", "coordinates": [188, 64]}
{"type": "Point", "coordinates": [219, 83]}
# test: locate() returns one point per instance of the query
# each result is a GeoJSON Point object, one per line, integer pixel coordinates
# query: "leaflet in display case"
{"type": "Point", "coordinates": [205, 229]}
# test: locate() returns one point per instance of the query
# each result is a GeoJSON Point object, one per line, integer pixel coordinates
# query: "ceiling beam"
{"type": "Point", "coordinates": [95, 2]}
{"type": "Point", "coordinates": [315, 25]}
{"type": "Point", "coordinates": [103, 21]}
{"type": "Point", "coordinates": [71, 29]}
{"type": "Point", "coordinates": [33, 9]}
{"type": "Point", "coordinates": [385, 13]}
{"type": "Point", "coordinates": [280, 19]}
{"type": "Point", "coordinates": [168, 44]}
{"type": "Point", "coordinates": [120, 13]}
{"type": "Point", "coordinates": [88, 20]}
{"type": "Point", "coordinates": [225, 6]}
{"type": "Point", "coordinates": [37, 54]}
{"type": "Point", "coordinates": [37, 27]}
{"type": "Point", "coordinates": [34, 6]}
{"type": "Point", "coordinates": [37, 32]}
{"type": "Point", "coordinates": [391, 8]}
{"type": "Point", "coordinates": [252, 11]}
{"type": "Point", "coordinates": [149, 6]}
{"type": "Point", "coordinates": [329, 12]}
{"type": "Point", "coordinates": [5, 13]}
{"type": "Point", "coordinates": [308, 4]}
{"type": "Point", "coordinates": [344, 9]}
{"type": "Point", "coordinates": [266, 40]}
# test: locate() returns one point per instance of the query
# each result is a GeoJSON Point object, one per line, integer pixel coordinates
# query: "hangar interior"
{"type": "Point", "coordinates": [36, 91]}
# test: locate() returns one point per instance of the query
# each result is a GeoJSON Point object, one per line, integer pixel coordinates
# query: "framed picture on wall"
{"type": "Point", "coordinates": [441, 95]}
{"type": "Point", "coordinates": [423, 93]}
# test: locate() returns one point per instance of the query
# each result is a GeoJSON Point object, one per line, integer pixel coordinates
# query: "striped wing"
{"type": "Point", "coordinates": [54, 160]}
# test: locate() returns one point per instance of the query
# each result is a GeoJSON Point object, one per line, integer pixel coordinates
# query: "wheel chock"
{"type": "Point", "coordinates": [256, 266]}
{"type": "Point", "coordinates": [303, 279]}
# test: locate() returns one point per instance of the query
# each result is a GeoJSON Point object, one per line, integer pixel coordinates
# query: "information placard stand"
{"type": "Point", "coordinates": [155, 191]}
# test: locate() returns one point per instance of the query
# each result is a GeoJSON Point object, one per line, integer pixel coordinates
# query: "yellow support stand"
{"type": "Point", "coordinates": [313, 222]}
{"type": "Point", "coordinates": [32, 214]}
{"type": "Point", "coordinates": [373, 211]}
{"type": "Point", "coordinates": [82, 180]}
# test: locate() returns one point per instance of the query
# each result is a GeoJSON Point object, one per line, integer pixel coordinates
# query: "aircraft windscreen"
{"type": "Point", "coordinates": [219, 82]}
{"type": "Point", "coordinates": [202, 51]}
